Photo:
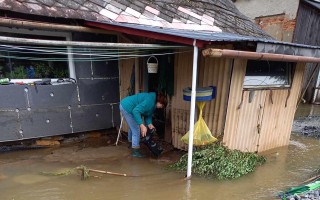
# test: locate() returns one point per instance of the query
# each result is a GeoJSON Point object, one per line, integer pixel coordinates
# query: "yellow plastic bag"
{"type": "Point", "coordinates": [202, 134]}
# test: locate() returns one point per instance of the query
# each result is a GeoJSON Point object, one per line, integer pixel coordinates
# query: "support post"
{"type": "Point", "coordinates": [192, 107]}
{"type": "Point", "coordinates": [315, 91]}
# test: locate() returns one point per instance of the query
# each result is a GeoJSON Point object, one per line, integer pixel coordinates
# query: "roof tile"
{"type": "Point", "coordinates": [99, 2]}
{"type": "Point", "coordinates": [165, 17]}
{"type": "Point", "coordinates": [152, 10]}
{"type": "Point", "coordinates": [185, 14]}
{"type": "Point", "coordinates": [139, 4]}
{"type": "Point", "coordinates": [113, 9]}
{"type": "Point", "coordinates": [80, 1]}
{"type": "Point", "coordinates": [125, 3]}
{"type": "Point", "coordinates": [47, 2]}
{"type": "Point", "coordinates": [136, 8]}
{"type": "Point", "coordinates": [148, 15]}
{"type": "Point", "coordinates": [73, 5]}
{"type": "Point", "coordinates": [118, 5]}
{"type": "Point", "coordinates": [133, 12]}
{"type": "Point", "coordinates": [5, 5]}
{"type": "Point", "coordinates": [127, 19]}
{"type": "Point", "coordinates": [195, 20]}
{"type": "Point", "coordinates": [109, 14]}
{"type": "Point", "coordinates": [33, 7]}
{"type": "Point", "coordinates": [206, 17]}
{"type": "Point", "coordinates": [150, 22]}
{"type": "Point", "coordinates": [93, 6]}
{"type": "Point", "coordinates": [59, 5]}
{"type": "Point", "coordinates": [82, 8]}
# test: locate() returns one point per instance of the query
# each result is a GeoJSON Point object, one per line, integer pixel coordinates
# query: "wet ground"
{"type": "Point", "coordinates": [307, 121]}
{"type": "Point", "coordinates": [21, 178]}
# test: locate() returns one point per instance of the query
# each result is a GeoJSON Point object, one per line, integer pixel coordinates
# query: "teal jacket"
{"type": "Point", "coordinates": [141, 104]}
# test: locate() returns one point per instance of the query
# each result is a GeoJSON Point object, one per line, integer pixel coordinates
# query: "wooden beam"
{"type": "Point", "coordinates": [49, 26]}
{"type": "Point", "coordinates": [14, 40]}
{"type": "Point", "coordinates": [217, 53]}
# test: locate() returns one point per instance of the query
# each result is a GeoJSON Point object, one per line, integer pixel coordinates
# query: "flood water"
{"type": "Point", "coordinates": [21, 178]}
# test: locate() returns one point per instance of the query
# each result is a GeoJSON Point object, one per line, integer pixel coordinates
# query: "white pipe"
{"type": "Point", "coordinates": [192, 107]}
{"type": "Point", "coordinates": [315, 94]}
{"type": "Point", "coordinates": [26, 41]}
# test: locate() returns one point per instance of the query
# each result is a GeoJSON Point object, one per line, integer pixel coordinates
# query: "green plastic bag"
{"type": "Point", "coordinates": [202, 134]}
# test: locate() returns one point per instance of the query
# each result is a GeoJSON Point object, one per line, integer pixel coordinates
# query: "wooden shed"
{"type": "Point", "coordinates": [248, 116]}
{"type": "Point", "coordinates": [207, 43]}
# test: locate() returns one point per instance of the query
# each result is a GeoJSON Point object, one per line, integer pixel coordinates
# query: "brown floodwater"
{"type": "Point", "coordinates": [21, 178]}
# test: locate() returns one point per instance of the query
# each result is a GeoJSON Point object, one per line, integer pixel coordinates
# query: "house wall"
{"type": "Point", "coordinates": [258, 120]}
{"type": "Point", "coordinates": [289, 21]}
{"type": "Point", "coordinates": [256, 8]}
{"type": "Point", "coordinates": [275, 17]}
{"type": "Point", "coordinates": [211, 72]}
{"type": "Point", "coordinates": [28, 111]}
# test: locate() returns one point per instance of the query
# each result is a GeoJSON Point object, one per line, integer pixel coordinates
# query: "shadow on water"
{"type": "Point", "coordinates": [20, 177]}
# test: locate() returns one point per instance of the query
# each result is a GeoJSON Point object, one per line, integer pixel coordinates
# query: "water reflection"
{"type": "Point", "coordinates": [20, 177]}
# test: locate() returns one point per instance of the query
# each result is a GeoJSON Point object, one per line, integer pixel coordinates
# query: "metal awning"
{"type": "Point", "coordinates": [205, 37]}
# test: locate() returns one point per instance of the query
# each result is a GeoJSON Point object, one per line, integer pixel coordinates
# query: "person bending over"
{"type": "Point", "coordinates": [133, 108]}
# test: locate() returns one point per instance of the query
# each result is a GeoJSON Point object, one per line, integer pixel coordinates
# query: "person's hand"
{"type": "Point", "coordinates": [150, 126]}
{"type": "Point", "coordinates": [143, 130]}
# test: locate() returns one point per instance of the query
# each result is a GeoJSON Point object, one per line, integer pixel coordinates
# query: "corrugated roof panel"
{"type": "Point", "coordinates": [208, 36]}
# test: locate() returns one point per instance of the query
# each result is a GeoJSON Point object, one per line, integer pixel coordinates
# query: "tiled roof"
{"type": "Point", "coordinates": [200, 15]}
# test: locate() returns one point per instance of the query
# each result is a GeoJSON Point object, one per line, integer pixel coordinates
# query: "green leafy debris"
{"type": "Point", "coordinates": [217, 161]}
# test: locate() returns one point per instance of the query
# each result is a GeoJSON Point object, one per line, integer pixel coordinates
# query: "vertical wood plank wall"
{"type": "Point", "coordinates": [181, 109]}
{"type": "Point", "coordinates": [211, 71]}
{"type": "Point", "coordinates": [260, 120]}
{"type": "Point", "coordinates": [125, 67]}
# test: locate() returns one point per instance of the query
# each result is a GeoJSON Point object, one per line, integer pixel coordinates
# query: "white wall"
{"type": "Point", "coordinates": [257, 8]}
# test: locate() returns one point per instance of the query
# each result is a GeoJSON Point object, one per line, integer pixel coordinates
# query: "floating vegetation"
{"type": "Point", "coordinates": [216, 161]}
{"type": "Point", "coordinates": [60, 173]}
{"type": "Point", "coordinates": [83, 171]}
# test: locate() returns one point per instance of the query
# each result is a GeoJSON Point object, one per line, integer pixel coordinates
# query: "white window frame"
{"type": "Point", "coordinates": [67, 35]}
{"type": "Point", "coordinates": [266, 85]}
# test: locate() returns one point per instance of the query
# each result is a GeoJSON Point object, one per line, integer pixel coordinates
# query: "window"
{"type": "Point", "coordinates": [33, 62]}
{"type": "Point", "coordinates": [267, 74]}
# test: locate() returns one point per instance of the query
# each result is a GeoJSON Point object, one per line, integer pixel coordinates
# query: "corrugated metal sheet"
{"type": "Point", "coordinates": [275, 116]}
{"type": "Point", "coordinates": [263, 119]}
{"type": "Point", "coordinates": [215, 72]}
{"type": "Point", "coordinates": [235, 97]}
{"type": "Point", "coordinates": [180, 108]}
{"type": "Point", "coordinates": [211, 71]}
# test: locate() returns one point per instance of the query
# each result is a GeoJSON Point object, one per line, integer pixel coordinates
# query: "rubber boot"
{"type": "Point", "coordinates": [136, 153]}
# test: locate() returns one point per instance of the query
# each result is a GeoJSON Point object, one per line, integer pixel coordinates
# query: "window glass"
{"type": "Point", "coordinates": [28, 62]}
{"type": "Point", "coordinates": [268, 74]}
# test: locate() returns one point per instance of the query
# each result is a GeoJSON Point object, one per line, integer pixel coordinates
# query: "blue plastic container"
{"type": "Point", "coordinates": [202, 93]}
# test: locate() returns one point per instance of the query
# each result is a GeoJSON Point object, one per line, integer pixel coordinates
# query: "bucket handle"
{"type": "Point", "coordinates": [152, 57]}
